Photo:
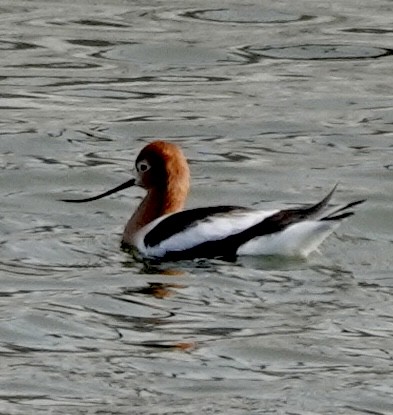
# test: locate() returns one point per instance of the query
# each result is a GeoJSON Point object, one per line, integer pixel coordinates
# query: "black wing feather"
{"type": "Point", "coordinates": [182, 220]}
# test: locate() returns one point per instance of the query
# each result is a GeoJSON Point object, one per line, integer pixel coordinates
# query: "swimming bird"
{"type": "Point", "coordinates": [160, 228]}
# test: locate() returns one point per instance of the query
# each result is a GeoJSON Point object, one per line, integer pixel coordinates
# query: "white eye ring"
{"type": "Point", "coordinates": [143, 166]}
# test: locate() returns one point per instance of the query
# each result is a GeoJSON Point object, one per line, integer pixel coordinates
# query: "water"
{"type": "Point", "coordinates": [270, 101]}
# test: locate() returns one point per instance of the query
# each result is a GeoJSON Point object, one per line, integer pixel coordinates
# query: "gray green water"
{"type": "Point", "coordinates": [271, 101]}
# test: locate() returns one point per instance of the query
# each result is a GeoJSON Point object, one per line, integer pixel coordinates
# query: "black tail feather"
{"type": "Point", "coordinates": [347, 206]}
{"type": "Point", "coordinates": [338, 217]}
{"type": "Point", "coordinates": [318, 207]}
{"type": "Point", "coordinates": [334, 215]}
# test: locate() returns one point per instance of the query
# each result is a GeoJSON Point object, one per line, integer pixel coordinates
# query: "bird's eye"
{"type": "Point", "coordinates": [143, 166]}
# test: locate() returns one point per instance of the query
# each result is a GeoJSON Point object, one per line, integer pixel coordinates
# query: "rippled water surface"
{"type": "Point", "coordinates": [270, 101]}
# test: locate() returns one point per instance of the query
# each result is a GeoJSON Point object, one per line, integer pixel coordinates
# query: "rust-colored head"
{"type": "Point", "coordinates": [162, 165]}
{"type": "Point", "coordinates": [163, 171]}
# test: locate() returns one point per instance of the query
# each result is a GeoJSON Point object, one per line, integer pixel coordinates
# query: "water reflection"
{"type": "Point", "coordinates": [157, 290]}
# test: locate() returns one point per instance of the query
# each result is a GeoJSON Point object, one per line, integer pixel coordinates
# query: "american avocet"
{"type": "Point", "coordinates": [159, 228]}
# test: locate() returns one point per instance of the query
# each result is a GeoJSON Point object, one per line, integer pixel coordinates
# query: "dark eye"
{"type": "Point", "coordinates": [143, 166]}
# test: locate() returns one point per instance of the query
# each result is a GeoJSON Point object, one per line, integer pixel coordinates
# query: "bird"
{"type": "Point", "coordinates": [161, 229]}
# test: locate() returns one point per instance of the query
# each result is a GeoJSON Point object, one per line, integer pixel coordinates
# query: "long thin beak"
{"type": "Point", "coordinates": [123, 186]}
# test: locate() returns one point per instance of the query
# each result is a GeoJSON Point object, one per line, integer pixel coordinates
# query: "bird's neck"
{"type": "Point", "coordinates": [155, 204]}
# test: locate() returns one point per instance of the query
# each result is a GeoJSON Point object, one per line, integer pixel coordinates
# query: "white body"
{"type": "Point", "coordinates": [298, 239]}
